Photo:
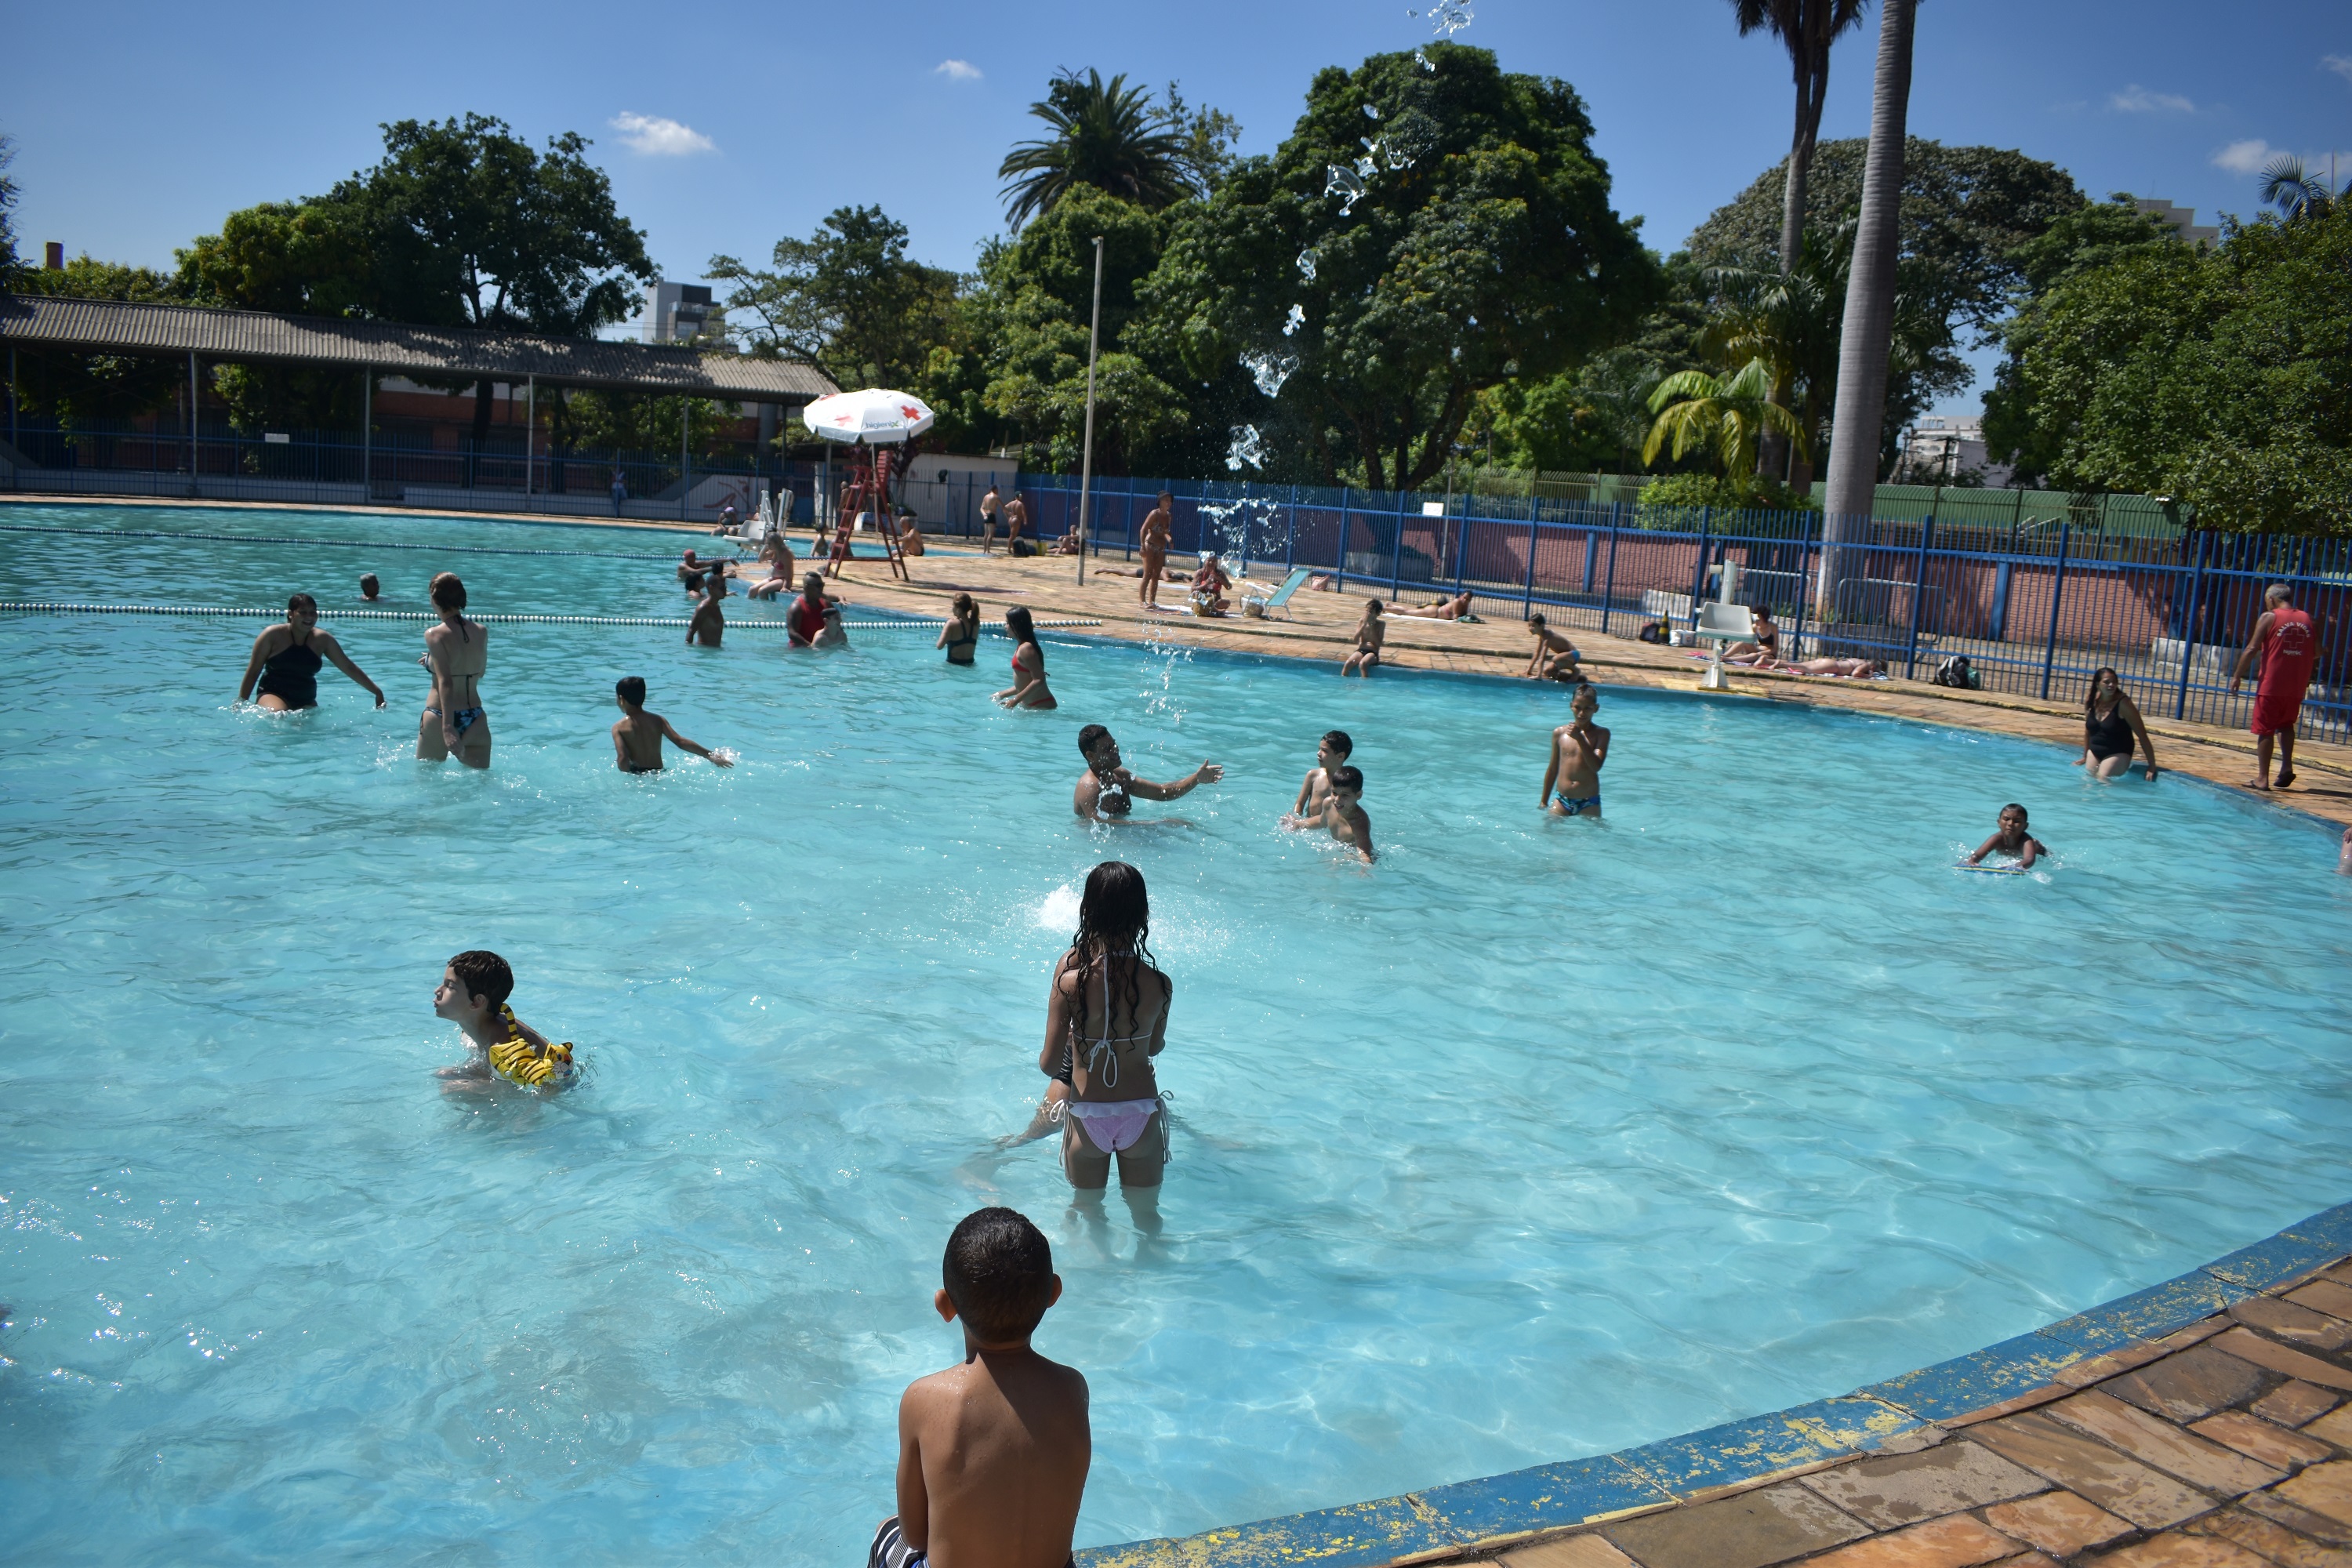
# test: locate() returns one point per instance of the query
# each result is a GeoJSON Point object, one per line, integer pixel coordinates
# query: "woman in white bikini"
{"type": "Point", "coordinates": [1105, 1019]}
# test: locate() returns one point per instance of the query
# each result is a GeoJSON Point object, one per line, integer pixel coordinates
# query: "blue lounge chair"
{"type": "Point", "coordinates": [1280, 598]}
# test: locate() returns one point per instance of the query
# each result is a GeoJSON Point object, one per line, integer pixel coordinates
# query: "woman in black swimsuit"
{"type": "Point", "coordinates": [962, 634]}
{"type": "Point", "coordinates": [2111, 722]}
{"type": "Point", "coordinates": [287, 658]}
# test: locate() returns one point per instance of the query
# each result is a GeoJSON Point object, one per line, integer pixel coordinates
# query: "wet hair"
{"type": "Point", "coordinates": [369, 585]}
{"type": "Point", "coordinates": [965, 605]}
{"type": "Point", "coordinates": [631, 690]}
{"type": "Point", "coordinates": [1349, 779]}
{"type": "Point", "coordinates": [2091, 696]}
{"type": "Point", "coordinates": [1089, 738]}
{"type": "Point", "coordinates": [302, 602]}
{"type": "Point", "coordinates": [1018, 622]}
{"type": "Point", "coordinates": [2012, 805]}
{"type": "Point", "coordinates": [447, 592]}
{"type": "Point", "coordinates": [999, 1272]}
{"type": "Point", "coordinates": [1338, 740]}
{"type": "Point", "coordinates": [1113, 915]}
{"type": "Point", "coordinates": [1584, 689]}
{"type": "Point", "coordinates": [483, 973]}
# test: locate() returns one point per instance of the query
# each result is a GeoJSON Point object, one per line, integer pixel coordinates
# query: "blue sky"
{"type": "Point", "coordinates": [726, 125]}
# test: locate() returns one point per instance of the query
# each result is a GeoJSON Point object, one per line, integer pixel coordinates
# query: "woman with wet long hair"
{"type": "Point", "coordinates": [1105, 1020]}
{"type": "Point", "coordinates": [1028, 689]}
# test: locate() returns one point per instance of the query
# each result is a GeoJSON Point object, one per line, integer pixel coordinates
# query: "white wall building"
{"type": "Point", "coordinates": [675, 310]}
{"type": "Point", "coordinates": [1941, 447]}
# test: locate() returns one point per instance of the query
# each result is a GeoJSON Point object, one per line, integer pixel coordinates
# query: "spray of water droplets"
{"type": "Point", "coordinates": [1306, 264]}
{"type": "Point", "coordinates": [1230, 523]}
{"type": "Point", "coordinates": [1340, 181]}
{"type": "Point", "coordinates": [1248, 448]}
{"type": "Point", "coordinates": [1298, 320]}
{"type": "Point", "coordinates": [1371, 113]}
{"type": "Point", "coordinates": [1269, 370]}
{"type": "Point", "coordinates": [1448, 18]}
{"type": "Point", "coordinates": [1420, 58]}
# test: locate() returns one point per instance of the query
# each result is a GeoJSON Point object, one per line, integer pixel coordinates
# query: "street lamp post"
{"type": "Point", "coordinates": [1086, 461]}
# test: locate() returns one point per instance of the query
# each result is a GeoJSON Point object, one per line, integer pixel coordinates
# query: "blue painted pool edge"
{"type": "Point", "coordinates": [1497, 1510]}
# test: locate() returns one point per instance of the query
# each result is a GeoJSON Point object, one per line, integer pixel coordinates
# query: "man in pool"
{"type": "Point", "coordinates": [456, 651]}
{"type": "Point", "coordinates": [1578, 751]}
{"type": "Point", "coordinates": [637, 737]}
{"type": "Point", "coordinates": [1106, 790]}
{"type": "Point", "coordinates": [1333, 749]}
{"type": "Point", "coordinates": [815, 618]}
{"type": "Point", "coordinates": [1343, 813]}
{"type": "Point", "coordinates": [370, 589]}
{"type": "Point", "coordinates": [709, 622]}
{"type": "Point", "coordinates": [473, 995]}
{"type": "Point", "coordinates": [993, 1452]}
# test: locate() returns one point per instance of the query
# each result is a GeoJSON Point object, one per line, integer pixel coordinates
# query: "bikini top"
{"type": "Point", "coordinates": [1102, 1059]}
{"type": "Point", "coordinates": [517, 1060]}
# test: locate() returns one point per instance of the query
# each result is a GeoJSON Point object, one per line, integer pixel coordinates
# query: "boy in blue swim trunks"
{"type": "Point", "coordinates": [993, 1452]}
{"type": "Point", "coordinates": [1577, 750]}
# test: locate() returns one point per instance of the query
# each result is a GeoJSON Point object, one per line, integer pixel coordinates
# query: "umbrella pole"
{"type": "Point", "coordinates": [1086, 463]}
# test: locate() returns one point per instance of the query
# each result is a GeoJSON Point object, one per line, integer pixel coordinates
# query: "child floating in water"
{"type": "Point", "coordinates": [637, 738]}
{"type": "Point", "coordinates": [993, 1452]}
{"type": "Point", "coordinates": [2012, 839]}
{"type": "Point", "coordinates": [473, 995]}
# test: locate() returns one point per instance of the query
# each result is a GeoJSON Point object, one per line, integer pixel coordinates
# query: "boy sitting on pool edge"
{"type": "Point", "coordinates": [993, 1453]}
{"type": "Point", "coordinates": [473, 995]}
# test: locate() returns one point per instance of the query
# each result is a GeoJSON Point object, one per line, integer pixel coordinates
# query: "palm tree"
{"type": "Point", "coordinates": [1726, 411]}
{"type": "Point", "coordinates": [1867, 333]}
{"type": "Point", "coordinates": [1806, 28]}
{"type": "Point", "coordinates": [1105, 135]}
{"type": "Point", "coordinates": [2295, 192]}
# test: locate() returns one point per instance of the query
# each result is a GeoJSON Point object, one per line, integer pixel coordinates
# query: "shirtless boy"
{"type": "Point", "coordinates": [370, 589]}
{"type": "Point", "coordinates": [993, 1453]}
{"type": "Point", "coordinates": [709, 622]}
{"type": "Point", "coordinates": [456, 651]}
{"type": "Point", "coordinates": [637, 737]}
{"type": "Point", "coordinates": [1159, 526]}
{"type": "Point", "coordinates": [1106, 790]}
{"type": "Point", "coordinates": [1555, 657]}
{"type": "Point", "coordinates": [988, 505]}
{"type": "Point", "coordinates": [1343, 814]}
{"type": "Point", "coordinates": [1333, 749]}
{"type": "Point", "coordinates": [2010, 837]}
{"type": "Point", "coordinates": [1577, 750]}
{"type": "Point", "coordinates": [473, 995]}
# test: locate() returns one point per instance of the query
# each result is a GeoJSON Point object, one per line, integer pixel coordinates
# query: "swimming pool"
{"type": "Point", "coordinates": [1539, 1139]}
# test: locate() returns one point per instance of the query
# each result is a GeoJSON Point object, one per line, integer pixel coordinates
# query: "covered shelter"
{"type": "Point", "coordinates": [375, 348]}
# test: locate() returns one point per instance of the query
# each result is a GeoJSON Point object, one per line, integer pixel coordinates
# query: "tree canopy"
{"type": "Point", "coordinates": [847, 299]}
{"type": "Point", "coordinates": [2221, 375]}
{"type": "Point", "coordinates": [1111, 136]}
{"type": "Point", "coordinates": [1424, 233]}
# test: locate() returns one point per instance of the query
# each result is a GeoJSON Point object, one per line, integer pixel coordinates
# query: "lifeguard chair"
{"type": "Point", "coordinates": [868, 421]}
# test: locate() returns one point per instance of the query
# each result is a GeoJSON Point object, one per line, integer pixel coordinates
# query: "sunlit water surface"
{"type": "Point", "coordinates": [1539, 1139]}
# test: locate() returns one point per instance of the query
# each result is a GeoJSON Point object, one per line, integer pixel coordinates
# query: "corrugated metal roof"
{"type": "Point", "coordinates": [121, 327]}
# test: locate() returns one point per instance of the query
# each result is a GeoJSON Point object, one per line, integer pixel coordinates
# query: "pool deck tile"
{"type": "Point", "coordinates": [2189, 1386]}
{"type": "Point", "coordinates": [1752, 1530]}
{"type": "Point", "coordinates": [2296, 1403]}
{"type": "Point", "coordinates": [2057, 1522]}
{"type": "Point", "coordinates": [1889, 1492]}
{"type": "Point", "coordinates": [2300, 1326]}
{"type": "Point", "coordinates": [2272, 1356]}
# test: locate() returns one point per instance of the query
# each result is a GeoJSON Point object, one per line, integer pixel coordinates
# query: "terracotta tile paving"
{"type": "Point", "coordinates": [2228, 1451]}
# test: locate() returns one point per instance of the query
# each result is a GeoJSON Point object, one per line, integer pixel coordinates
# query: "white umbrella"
{"type": "Point", "coordinates": [873, 416]}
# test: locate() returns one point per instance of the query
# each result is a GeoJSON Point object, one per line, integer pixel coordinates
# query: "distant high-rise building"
{"type": "Point", "coordinates": [675, 310]}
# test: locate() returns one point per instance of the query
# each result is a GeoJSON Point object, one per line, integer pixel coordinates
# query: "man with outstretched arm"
{"type": "Point", "coordinates": [1106, 790]}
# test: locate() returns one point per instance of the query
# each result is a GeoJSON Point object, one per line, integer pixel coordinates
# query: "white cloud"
{"type": "Point", "coordinates": [663, 138]}
{"type": "Point", "coordinates": [2340, 64]}
{"type": "Point", "coordinates": [2138, 100]}
{"type": "Point", "coordinates": [957, 70]}
{"type": "Point", "coordinates": [2245, 157]}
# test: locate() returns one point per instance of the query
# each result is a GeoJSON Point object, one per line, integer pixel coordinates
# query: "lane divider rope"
{"type": "Point", "coordinates": [331, 543]}
{"type": "Point", "coordinates": [66, 607]}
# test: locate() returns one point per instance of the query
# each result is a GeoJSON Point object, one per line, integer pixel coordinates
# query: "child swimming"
{"type": "Point", "coordinates": [2011, 838]}
{"type": "Point", "coordinates": [1342, 815]}
{"type": "Point", "coordinates": [473, 995]}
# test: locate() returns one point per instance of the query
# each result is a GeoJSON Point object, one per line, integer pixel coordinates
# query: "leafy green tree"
{"type": "Point", "coordinates": [2084, 241]}
{"type": "Point", "coordinates": [1105, 135]}
{"type": "Point", "coordinates": [312, 258]}
{"type": "Point", "coordinates": [7, 214]}
{"type": "Point", "coordinates": [1421, 235]}
{"type": "Point", "coordinates": [2295, 191]}
{"type": "Point", "coordinates": [846, 300]}
{"type": "Point", "coordinates": [1725, 413]}
{"type": "Point", "coordinates": [2220, 376]}
{"type": "Point", "coordinates": [1591, 418]}
{"type": "Point", "coordinates": [78, 389]}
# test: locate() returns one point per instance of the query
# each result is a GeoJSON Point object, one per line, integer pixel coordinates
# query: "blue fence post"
{"type": "Point", "coordinates": [2057, 598]}
{"type": "Point", "coordinates": [1918, 598]}
{"type": "Point", "coordinates": [1396, 557]}
{"type": "Point", "coordinates": [1609, 594]}
{"type": "Point", "coordinates": [1340, 585]}
{"type": "Point", "coordinates": [2189, 625]}
{"type": "Point", "coordinates": [1528, 605]}
{"type": "Point", "coordinates": [1461, 553]}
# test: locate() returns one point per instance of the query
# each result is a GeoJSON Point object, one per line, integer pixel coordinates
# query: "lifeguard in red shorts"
{"type": "Point", "coordinates": [2282, 639]}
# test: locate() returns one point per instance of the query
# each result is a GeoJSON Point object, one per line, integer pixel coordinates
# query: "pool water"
{"type": "Point", "coordinates": [1539, 1139]}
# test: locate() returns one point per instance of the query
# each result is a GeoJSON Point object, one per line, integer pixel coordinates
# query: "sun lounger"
{"type": "Point", "coordinates": [1279, 599]}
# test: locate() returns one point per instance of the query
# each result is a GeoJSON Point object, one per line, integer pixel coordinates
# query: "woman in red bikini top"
{"type": "Point", "coordinates": [1028, 689]}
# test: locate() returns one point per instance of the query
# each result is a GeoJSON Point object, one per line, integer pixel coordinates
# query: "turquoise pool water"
{"type": "Point", "coordinates": [1539, 1139]}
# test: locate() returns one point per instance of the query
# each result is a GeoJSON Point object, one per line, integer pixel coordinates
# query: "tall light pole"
{"type": "Point", "coordinates": [1086, 461]}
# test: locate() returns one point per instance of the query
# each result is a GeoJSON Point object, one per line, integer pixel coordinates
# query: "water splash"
{"type": "Point", "coordinates": [1448, 18]}
{"type": "Point", "coordinates": [1343, 181]}
{"type": "Point", "coordinates": [1058, 911]}
{"type": "Point", "coordinates": [1248, 448]}
{"type": "Point", "coordinates": [1269, 370]}
{"type": "Point", "coordinates": [1229, 524]}
{"type": "Point", "coordinates": [1406, 142]}
{"type": "Point", "coordinates": [1420, 58]}
{"type": "Point", "coordinates": [1298, 320]}
{"type": "Point", "coordinates": [1365, 170]}
{"type": "Point", "coordinates": [1371, 113]}
{"type": "Point", "coordinates": [1306, 264]}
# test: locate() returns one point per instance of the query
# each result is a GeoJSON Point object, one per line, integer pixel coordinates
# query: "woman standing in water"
{"type": "Point", "coordinates": [287, 657]}
{"type": "Point", "coordinates": [456, 651]}
{"type": "Point", "coordinates": [960, 636]}
{"type": "Point", "coordinates": [1105, 1019]}
{"type": "Point", "coordinates": [1028, 689]}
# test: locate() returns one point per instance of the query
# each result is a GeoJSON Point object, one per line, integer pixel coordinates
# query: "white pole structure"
{"type": "Point", "coordinates": [367, 434]}
{"type": "Point", "coordinates": [530, 429]}
{"type": "Point", "coordinates": [192, 422]}
{"type": "Point", "coordinates": [1087, 462]}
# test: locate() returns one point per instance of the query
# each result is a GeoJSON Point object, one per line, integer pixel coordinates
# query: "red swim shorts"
{"type": "Point", "coordinates": [2274, 712]}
